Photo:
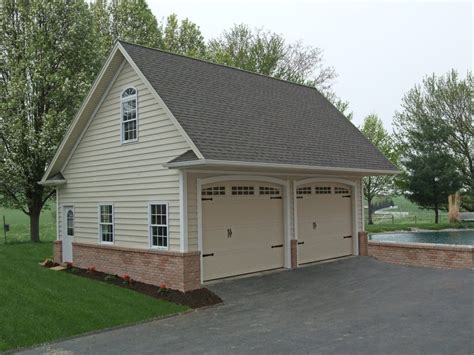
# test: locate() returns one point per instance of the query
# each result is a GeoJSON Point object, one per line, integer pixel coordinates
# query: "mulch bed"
{"type": "Point", "coordinates": [193, 299]}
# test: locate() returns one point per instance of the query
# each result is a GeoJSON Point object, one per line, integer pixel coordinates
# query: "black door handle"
{"type": "Point", "coordinates": [229, 232]}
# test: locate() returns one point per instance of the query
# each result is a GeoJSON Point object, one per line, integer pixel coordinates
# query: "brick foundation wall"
{"type": "Point", "coordinates": [179, 271]}
{"type": "Point", "coordinates": [294, 253]}
{"type": "Point", "coordinates": [417, 254]}
{"type": "Point", "coordinates": [58, 251]}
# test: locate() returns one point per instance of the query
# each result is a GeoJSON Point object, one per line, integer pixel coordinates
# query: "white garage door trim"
{"type": "Point", "coordinates": [285, 184]}
{"type": "Point", "coordinates": [355, 204]}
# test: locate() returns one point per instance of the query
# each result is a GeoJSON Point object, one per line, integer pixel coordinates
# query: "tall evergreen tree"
{"type": "Point", "coordinates": [430, 177]}
{"type": "Point", "coordinates": [46, 51]}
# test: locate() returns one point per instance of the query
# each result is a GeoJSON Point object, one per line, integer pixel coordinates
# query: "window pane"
{"type": "Point", "coordinates": [129, 92]}
{"type": "Point", "coordinates": [107, 232]}
{"type": "Point", "coordinates": [70, 223]}
{"type": "Point", "coordinates": [129, 130]}
{"type": "Point", "coordinates": [129, 110]}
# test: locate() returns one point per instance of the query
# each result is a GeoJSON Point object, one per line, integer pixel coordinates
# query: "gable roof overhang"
{"type": "Point", "coordinates": [89, 107]}
{"type": "Point", "coordinates": [209, 164]}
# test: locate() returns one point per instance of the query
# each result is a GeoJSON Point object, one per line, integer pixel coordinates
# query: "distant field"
{"type": "Point", "coordinates": [415, 214]}
{"type": "Point", "coordinates": [20, 225]}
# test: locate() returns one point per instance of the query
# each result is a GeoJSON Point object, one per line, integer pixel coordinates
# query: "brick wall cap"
{"type": "Point", "coordinates": [57, 241]}
{"type": "Point", "coordinates": [454, 247]}
{"type": "Point", "coordinates": [135, 250]}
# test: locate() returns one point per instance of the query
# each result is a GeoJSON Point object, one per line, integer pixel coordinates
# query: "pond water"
{"type": "Point", "coordinates": [459, 237]}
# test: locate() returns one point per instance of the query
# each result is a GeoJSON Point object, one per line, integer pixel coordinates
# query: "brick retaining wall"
{"type": "Point", "coordinates": [179, 271]}
{"type": "Point", "coordinates": [421, 254]}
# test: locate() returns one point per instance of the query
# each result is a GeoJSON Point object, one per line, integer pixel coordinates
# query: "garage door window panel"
{"type": "Point", "coordinates": [322, 190]}
{"type": "Point", "coordinates": [243, 190]}
{"type": "Point", "coordinates": [213, 191]}
{"type": "Point", "coordinates": [267, 190]}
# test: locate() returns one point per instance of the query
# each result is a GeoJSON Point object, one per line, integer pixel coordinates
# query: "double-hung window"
{"type": "Point", "coordinates": [129, 115]}
{"type": "Point", "coordinates": [106, 223]}
{"type": "Point", "coordinates": [158, 227]}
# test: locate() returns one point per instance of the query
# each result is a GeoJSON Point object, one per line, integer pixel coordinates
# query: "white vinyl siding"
{"type": "Point", "coordinates": [126, 175]}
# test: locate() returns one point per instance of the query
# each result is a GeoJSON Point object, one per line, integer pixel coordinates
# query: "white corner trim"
{"type": "Point", "coordinates": [80, 111]}
{"type": "Point", "coordinates": [160, 102]}
{"type": "Point", "coordinates": [183, 211]}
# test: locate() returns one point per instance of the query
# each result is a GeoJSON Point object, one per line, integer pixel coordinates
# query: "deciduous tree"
{"type": "Point", "coordinates": [183, 38]}
{"type": "Point", "coordinates": [438, 115]}
{"type": "Point", "coordinates": [375, 132]}
{"type": "Point", "coordinates": [46, 51]}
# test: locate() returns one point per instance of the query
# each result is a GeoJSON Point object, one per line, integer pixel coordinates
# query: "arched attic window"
{"type": "Point", "coordinates": [129, 112]}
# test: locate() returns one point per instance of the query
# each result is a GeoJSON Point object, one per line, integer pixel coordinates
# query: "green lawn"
{"type": "Point", "coordinates": [40, 305]}
{"type": "Point", "coordinates": [20, 224]}
{"type": "Point", "coordinates": [416, 214]}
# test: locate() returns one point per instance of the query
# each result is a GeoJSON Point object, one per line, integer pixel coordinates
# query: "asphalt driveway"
{"type": "Point", "coordinates": [355, 305]}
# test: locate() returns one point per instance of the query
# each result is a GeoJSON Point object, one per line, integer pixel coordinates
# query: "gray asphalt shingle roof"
{"type": "Point", "coordinates": [235, 115]}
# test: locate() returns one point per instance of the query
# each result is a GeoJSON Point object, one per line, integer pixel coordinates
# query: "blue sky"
{"type": "Point", "coordinates": [379, 49]}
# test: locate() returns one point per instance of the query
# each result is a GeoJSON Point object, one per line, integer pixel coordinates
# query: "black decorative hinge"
{"type": "Point", "coordinates": [275, 197]}
{"type": "Point", "coordinates": [300, 243]}
{"type": "Point", "coordinates": [206, 199]}
{"type": "Point", "coordinates": [299, 196]}
{"type": "Point", "coordinates": [277, 246]}
{"type": "Point", "coordinates": [347, 236]}
{"type": "Point", "coordinates": [347, 196]}
{"type": "Point", "coordinates": [206, 255]}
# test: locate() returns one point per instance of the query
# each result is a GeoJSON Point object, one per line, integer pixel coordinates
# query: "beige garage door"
{"type": "Point", "coordinates": [324, 213]}
{"type": "Point", "coordinates": [242, 229]}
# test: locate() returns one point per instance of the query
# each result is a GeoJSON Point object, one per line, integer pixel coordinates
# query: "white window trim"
{"type": "Point", "coordinates": [71, 208]}
{"type": "Point", "coordinates": [61, 209]}
{"type": "Point", "coordinates": [122, 100]}
{"type": "Point", "coordinates": [99, 232]}
{"type": "Point", "coordinates": [150, 238]}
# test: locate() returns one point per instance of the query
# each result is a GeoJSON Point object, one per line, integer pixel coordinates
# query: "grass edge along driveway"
{"type": "Point", "coordinates": [38, 305]}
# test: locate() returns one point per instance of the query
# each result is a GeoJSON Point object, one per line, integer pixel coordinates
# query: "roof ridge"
{"type": "Point", "coordinates": [222, 65]}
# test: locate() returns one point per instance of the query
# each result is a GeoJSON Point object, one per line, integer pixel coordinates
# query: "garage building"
{"type": "Point", "coordinates": [181, 171]}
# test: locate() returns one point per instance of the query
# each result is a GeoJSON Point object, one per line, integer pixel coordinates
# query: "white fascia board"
{"type": "Point", "coordinates": [208, 162]}
{"type": "Point", "coordinates": [52, 182]}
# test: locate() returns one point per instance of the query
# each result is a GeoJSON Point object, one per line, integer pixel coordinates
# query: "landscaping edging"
{"type": "Point", "coordinates": [424, 254]}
